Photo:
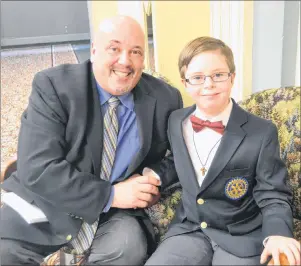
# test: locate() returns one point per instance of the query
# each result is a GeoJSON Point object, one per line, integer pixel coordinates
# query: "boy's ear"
{"type": "Point", "coordinates": [183, 82]}
{"type": "Point", "coordinates": [233, 77]}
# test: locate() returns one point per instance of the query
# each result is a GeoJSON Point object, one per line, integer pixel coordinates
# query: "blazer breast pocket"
{"type": "Point", "coordinates": [246, 225]}
{"type": "Point", "coordinates": [246, 171]}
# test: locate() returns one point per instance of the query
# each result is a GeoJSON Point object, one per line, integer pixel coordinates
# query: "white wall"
{"type": "Point", "coordinates": [275, 44]}
{"type": "Point", "coordinates": [267, 44]}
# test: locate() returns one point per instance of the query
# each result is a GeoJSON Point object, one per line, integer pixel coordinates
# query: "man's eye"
{"type": "Point", "coordinates": [113, 49]}
{"type": "Point", "coordinates": [136, 52]}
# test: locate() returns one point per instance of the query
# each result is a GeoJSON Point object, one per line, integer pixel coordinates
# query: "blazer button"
{"type": "Point", "coordinates": [68, 237]}
{"type": "Point", "coordinates": [203, 225]}
{"type": "Point", "coordinates": [200, 201]}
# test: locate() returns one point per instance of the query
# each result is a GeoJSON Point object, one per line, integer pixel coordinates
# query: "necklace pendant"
{"type": "Point", "coordinates": [203, 170]}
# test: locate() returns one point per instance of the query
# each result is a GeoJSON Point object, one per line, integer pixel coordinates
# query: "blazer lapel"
{"type": "Point", "coordinates": [230, 141]}
{"type": "Point", "coordinates": [184, 166]}
{"type": "Point", "coordinates": [144, 108]}
{"type": "Point", "coordinates": [94, 129]}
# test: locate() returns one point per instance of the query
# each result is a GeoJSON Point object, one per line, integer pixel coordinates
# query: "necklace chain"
{"type": "Point", "coordinates": [203, 169]}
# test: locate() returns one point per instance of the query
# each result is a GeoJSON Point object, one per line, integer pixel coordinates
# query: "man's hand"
{"type": "Point", "coordinates": [155, 200]}
{"type": "Point", "coordinates": [280, 244]}
{"type": "Point", "coordinates": [136, 192]}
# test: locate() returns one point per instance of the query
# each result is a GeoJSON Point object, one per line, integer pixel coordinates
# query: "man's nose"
{"type": "Point", "coordinates": [124, 58]}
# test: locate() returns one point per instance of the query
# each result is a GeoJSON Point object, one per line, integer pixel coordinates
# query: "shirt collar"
{"type": "Point", "coordinates": [127, 99]}
{"type": "Point", "coordinates": [223, 116]}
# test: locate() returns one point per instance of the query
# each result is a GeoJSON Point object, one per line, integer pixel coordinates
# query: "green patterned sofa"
{"type": "Point", "coordinates": [282, 106]}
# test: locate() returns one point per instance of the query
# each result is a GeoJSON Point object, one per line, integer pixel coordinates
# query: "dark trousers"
{"type": "Point", "coordinates": [119, 240]}
{"type": "Point", "coordinates": [195, 249]}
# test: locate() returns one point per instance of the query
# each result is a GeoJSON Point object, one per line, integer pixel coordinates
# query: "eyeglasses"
{"type": "Point", "coordinates": [200, 79]}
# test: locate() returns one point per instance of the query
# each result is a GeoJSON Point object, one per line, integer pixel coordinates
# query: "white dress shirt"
{"type": "Point", "coordinates": [206, 141]}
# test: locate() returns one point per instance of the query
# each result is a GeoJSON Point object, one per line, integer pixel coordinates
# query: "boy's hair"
{"type": "Point", "coordinates": [200, 45]}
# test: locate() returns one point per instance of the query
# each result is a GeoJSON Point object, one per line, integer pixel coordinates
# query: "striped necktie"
{"type": "Point", "coordinates": [83, 241]}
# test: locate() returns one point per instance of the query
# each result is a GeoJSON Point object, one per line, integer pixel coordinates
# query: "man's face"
{"type": "Point", "coordinates": [117, 56]}
{"type": "Point", "coordinates": [211, 97]}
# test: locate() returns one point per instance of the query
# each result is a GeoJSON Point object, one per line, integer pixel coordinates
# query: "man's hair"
{"type": "Point", "coordinates": [200, 45]}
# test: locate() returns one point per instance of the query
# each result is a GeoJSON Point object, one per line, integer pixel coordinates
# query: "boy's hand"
{"type": "Point", "coordinates": [280, 244]}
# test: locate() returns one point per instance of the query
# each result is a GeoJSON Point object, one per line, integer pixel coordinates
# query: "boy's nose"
{"type": "Point", "coordinates": [208, 84]}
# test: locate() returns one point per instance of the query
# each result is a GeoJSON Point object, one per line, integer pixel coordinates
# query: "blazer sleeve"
{"type": "Point", "coordinates": [166, 168]}
{"type": "Point", "coordinates": [271, 192]}
{"type": "Point", "coordinates": [42, 166]}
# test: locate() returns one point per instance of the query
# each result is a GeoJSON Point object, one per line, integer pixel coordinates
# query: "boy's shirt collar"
{"type": "Point", "coordinates": [223, 116]}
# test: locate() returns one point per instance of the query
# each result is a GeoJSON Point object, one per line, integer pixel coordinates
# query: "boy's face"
{"type": "Point", "coordinates": [211, 97]}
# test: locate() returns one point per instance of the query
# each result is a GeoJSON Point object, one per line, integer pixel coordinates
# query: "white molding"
{"type": "Point", "coordinates": [297, 77]}
{"type": "Point", "coordinates": [90, 12]}
{"type": "Point", "coordinates": [227, 23]}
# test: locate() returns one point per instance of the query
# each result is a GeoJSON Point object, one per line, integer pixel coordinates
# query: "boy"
{"type": "Point", "coordinates": [235, 200]}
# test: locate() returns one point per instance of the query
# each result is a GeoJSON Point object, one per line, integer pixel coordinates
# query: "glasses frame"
{"type": "Point", "coordinates": [210, 76]}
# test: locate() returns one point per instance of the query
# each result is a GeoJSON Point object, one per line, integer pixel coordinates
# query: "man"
{"type": "Point", "coordinates": [86, 136]}
{"type": "Point", "coordinates": [235, 200]}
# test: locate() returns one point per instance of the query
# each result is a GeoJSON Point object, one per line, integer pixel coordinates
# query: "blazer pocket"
{"type": "Point", "coordinates": [245, 226]}
{"type": "Point", "coordinates": [27, 198]}
{"type": "Point", "coordinates": [243, 172]}
{"type": "Point", "coordinates": [239, 169]}
{"type": "Point", "coordinates": [24, 194]}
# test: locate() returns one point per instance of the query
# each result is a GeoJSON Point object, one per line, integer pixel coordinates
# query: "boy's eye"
{"type": "Point", "coordinates": [200, 77]}
{"type": "Point", "coordinates": [222, 75]}
{"type": "Point", "coordinates": [218, 75]}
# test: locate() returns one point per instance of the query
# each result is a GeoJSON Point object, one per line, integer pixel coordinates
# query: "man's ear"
{"type": "Point", "coordinates": [92, 53]}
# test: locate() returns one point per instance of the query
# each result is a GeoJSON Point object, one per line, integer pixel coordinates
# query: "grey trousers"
{"type": "Point", "coordinates": [195, 249]}
{"type": "Point", "coordinates": [117, 236]}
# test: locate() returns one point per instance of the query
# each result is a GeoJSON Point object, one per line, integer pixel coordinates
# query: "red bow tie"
{"type": "Point", "coordinates": [198, 124]}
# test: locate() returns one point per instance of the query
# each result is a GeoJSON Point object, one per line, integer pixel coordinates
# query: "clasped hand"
{"type": "Point", "coordinates": [136, 192]}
